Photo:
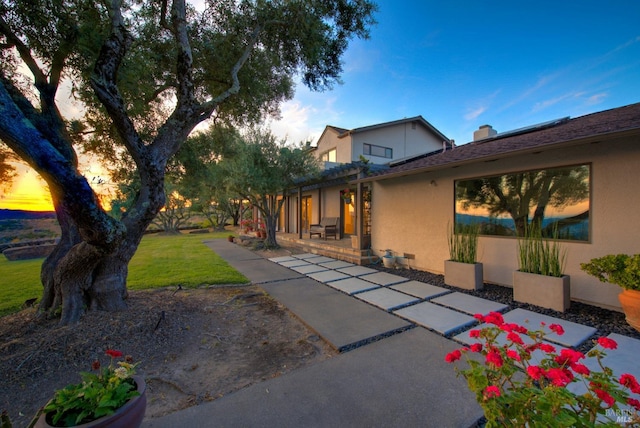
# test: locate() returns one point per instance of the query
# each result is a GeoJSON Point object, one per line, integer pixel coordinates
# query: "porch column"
{"type": "Point", "coordinates": [299, 212]}
{"type": "Point", "coordinates": [359, 212]}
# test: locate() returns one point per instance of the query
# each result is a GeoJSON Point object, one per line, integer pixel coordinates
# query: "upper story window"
{"type": "Point", "coordinates": [373, 150]}
{"type": "Point", "coordinates": [329, 156]}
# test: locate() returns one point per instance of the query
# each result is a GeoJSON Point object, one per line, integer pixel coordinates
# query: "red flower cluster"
{"type": "Point", "coordinates": [491, 391]}
{"type": "Point", "coordinates": [453, 356]}
{"type": "Point", "coordinates": [607, 343]}
{"type": "Point", "coordinates": [113, 353]}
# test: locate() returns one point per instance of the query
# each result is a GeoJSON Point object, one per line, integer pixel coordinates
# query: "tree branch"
{"type": "Point", "coordinates": [206, 109]}
{"type": "Point", "coordinates": [104, 82]}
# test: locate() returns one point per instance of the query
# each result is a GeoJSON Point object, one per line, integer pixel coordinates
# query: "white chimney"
{"type": "Point", "coordinates": [485, 131]}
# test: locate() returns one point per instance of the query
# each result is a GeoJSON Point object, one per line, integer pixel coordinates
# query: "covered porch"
{"type": "Point", "coordinates": [341, 249]}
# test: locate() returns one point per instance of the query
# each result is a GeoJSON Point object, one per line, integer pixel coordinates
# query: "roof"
{"type": "Point", "coordinates": [343, 132]}
{"type": "Point", "coordinates": [563, 132]}
{"type": "Point", "coordinates": [418, 119]}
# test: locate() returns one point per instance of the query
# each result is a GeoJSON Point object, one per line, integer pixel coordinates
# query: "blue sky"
{"type": "Point", "coordinates": [462, 64]}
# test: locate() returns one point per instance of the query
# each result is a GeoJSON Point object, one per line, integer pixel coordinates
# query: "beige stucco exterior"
{"type": "Point", "coordinates": [406, 138]}
{"type": "Point", "coordinates": [411, 214]}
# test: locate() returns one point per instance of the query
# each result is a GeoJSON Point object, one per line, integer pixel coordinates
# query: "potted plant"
{"type": "Point", "coordinates": [462, 269]}
{"type": "Point", "coordinates": [521, 380]}
{"type": "Point", "coordinates": [346, 195]}
{"type": "Point", "coordinates": [112, 396]}
{"type": "Point", "coordinates": [622, 270]}
{"type": "Point", "coordinates": [540, 279]}
{"type": "Point", "coordinates": [388, 260]}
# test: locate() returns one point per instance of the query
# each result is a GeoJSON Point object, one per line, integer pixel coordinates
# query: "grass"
{"type": "Point", "coordinates": [160, 261]}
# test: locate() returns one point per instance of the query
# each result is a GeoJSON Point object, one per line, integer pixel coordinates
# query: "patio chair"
{"type": "Point", "coordinates": [328, 227]}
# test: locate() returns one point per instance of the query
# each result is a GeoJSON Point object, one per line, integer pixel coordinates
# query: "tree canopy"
{"type": "Point", "coordinates": [147, 72]}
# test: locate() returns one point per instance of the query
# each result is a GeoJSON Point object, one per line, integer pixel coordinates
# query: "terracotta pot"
{"type": "Point", "coordinates": [630, 301]}
{"type": "Point", "coordinates": [130, 415]}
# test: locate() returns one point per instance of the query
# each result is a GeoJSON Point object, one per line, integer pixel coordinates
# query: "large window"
{"type": "Point", "coordinates": [373, 150]}
{"type": "Point", "coordinates": [329, 156]}
{"type": "Point", "coordinates": [556, 198]}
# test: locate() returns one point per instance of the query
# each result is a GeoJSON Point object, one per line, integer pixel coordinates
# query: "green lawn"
{"type": "Point", "coordinates": [160, 261]}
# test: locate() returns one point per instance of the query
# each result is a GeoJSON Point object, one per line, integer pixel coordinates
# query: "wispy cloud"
{"type": "Point", "coordinates": [597, 98]}
{"type": "Point", "coordinates": [472, 115]}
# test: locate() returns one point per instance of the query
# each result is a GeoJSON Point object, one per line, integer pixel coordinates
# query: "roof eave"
{"type": "Point", "coordinates": [512, 153]}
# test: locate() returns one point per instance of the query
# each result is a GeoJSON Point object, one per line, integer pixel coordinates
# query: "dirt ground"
{"type": "Point", "coordinates": [193, 345]}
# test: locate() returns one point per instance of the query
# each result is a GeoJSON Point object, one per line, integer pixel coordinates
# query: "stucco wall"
{"type": "Point", "coordinates": [329, 140]}
{"type": "Point", "coordinates": [412, 214]}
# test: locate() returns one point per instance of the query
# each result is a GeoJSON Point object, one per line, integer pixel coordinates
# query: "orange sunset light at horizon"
{"type": "Point", "coordinates": [28, 192]}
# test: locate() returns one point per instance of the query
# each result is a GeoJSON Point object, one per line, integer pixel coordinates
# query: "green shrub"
{"type": "Point", "coordinates": [619, 269]}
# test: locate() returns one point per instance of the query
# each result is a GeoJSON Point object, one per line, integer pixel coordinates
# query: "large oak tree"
{"type": "Point", "coordinates": [148, 72]}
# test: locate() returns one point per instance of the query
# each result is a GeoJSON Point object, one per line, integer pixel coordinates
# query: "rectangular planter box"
{"type": "Point", "coordinates": [463, 275]}
{"type": "Point", "coordinates": [549, 292]}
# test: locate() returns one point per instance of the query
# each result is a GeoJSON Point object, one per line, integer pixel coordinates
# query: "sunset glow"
{"type": "Point", "coordinates": [28, 192]}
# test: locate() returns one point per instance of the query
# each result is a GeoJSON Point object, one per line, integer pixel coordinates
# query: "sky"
{"type": "Point", "coordinates": [461, 64]}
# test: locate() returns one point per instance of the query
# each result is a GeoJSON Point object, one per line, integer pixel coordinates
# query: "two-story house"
{"type": "Point", "coordinates": [348, 154]}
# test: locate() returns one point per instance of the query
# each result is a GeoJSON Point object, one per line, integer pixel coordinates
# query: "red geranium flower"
{"type": "Point", "coordinates": [559, 377]}
{"type": "Point", "coordinates": [607, 343]}
{"type": "Point", "coordinates": [547, 347]}
{"type": "Point", "coordinates": [491, 391]}
{"type": "Point", "coordinates": [474, 334]}
{"type": "Point", "coordinates": [515, 338]}
{"type": "Point", "coordinates": [494, 318]}
{"type": "Point", "coordinates": [557, 329]}
{"type": "Point", "coordinates": [535, 372]}
{"type": "Point", "coordinates": [630, 382]}
{"type": "Point", "coordinates": [494, 358]}
{"type": "Point", "coordinates": [113, 353]}
{"type": "Point", "coordinates": [453, 356]}
{"type": "Point", "coordinates": [513, 355]}
{"type": "Point", "coordinates": [476, 347]}
{"type": "Point", "coordinates": [580, 369]}
{"type": "Point", "coordinates": [633, 402]}
{"type": "Point", "coordinates": [604, 396]}
{"type": "Point", "coordinates": [568, 356]}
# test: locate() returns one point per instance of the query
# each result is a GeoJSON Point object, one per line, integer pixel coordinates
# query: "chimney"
{"type": "Point", "coordinates": [485, 131]}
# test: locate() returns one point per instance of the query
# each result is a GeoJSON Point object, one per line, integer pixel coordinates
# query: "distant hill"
{"type": "Point", "coordinates": [25, 215]}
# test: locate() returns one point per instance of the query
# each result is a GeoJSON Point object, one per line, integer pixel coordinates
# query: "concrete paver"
{"type": "Point", "coordinates": [338, 318]}
{"type": "Point", "coordinates": [352, 285]}
{"type": "Point", "coordinates": [305, 256]}
{"type": "Point", "coordinates": [384, 278]}
{"type": "Point", "coordinates": [309, 268]}
{"type": "Point", "coordinates": [436, 317]}
{"type": "Point", "coordinates": [294, 263]}
{"type": "Point", "coordinates": [357, 270]}
{"type": "Point", "coordinates": [327, 275]}
{"type": "Point", "coordinates": [574, 334]}
{"type": "Point", "coordinates": [337, 264]}
{"type": "Point", "coordinates": [420, 289]}
{"type": "Point", "coordinates": [282, 259]}
{"type": "Point", "coordinates": [320, 259]}
{"type": "Point", "coordinates": [469, 304]}
{"type": "Point", "coordinates": [386, 298]}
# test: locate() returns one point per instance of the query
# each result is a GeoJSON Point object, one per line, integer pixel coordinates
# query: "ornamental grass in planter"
{"type": "Point", "coordinates": [462, 269]}
{"type": "Point", "coordinates": [622, 270]}
{"type": "Point", "coordinates": [540, 279]}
